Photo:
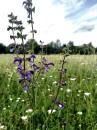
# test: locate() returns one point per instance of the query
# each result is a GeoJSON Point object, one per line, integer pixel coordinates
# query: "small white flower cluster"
{"type": "Point", "coordinates": [68, 90]}
{"type": "Point", "coordinates": [48, 89]}
{"type": "Point", "coordinates": [87, 94]}
{"type": "Point", "coordinates": [4, 108]}
{"type": "Point", "coordinates": [49, 111]}
{"type": "Point", "coordinates": [2, 127]}
{"type": "Point", "coordinates": [55, 82]}
{"type": "Point", "coordinates": [79, 113]}
{"type": "Point", "coordinates": [24, 118]}
{"type": "Point", "coordinates": [72, 79]}
{"type": "Point", "coordinates": [79, 91]}
{"type": "Point", "coordinates": [10, 99]}
{"type": "Point", "coordinates": [18, 99]}
{"type": "Point", "coordinates": [29, 111]}
{"type": "Point", "coordinates": [42, 78]}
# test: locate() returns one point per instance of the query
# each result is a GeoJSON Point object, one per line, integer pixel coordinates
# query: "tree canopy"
{"type": "Point", "coordinates": [51, 48]}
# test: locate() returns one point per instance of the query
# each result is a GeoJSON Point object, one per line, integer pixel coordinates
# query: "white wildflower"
{"type": "Point", "coordinates": [4, 108]}
{"type": "Point", "coordinates": [24, 118]}
{"type": "Point", "coordinates": [72, 79]}
{"type": "Point", "coordinates": [79, 113]}
{"type": "Point", "coordinates": [49, 111]}
{"type": "Point", "coordinates": [79, 91]}
{"type": "Point", "coordinates": [2, 127]}
{"type": "Point", "coordinates": [68, 90]}
{"type": "Point", "coordinates": [48, 89]}
{"type": "Point", "coordinates": [60, 105]}
{"type": "Point", "coordinates": [87, 94]}
{"type": "Point", "coordinates": [18, 98]}
{"type": "Point", "coordinates": [29, 110]}
{"type": "Point", "coordinates": [50, 95]}
{"type": "Point", "coordinates": [50, 76]}
{"type": "Point", "coordinates": [8, 85]}
{"type": "Point", "coordinates": [61, 89]}
{"type": "Point", "coordinates": [10, 99]}
{"type": "Point", "coordinates": [54, 82]}
{"type": "Point", "coordinates": [83, 79]}
{"type": "Point", "coordinates": [42, 78]}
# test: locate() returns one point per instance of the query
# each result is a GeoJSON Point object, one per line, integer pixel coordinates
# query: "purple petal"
{"type": "Point", "coordinates": [28, 74]}
{"type": "Point", "coordinates": [25, 87]}
{"type": "Point", "coordinates": [18, 59]}
{"type": "Point", "coordinates": [33, 56]}
{"type": "Point", "coordinates": [19, 68]}
{"type": "Point", "coordinates": [11, 49]}
{"type": "Point", "coordinates": [58, 103]}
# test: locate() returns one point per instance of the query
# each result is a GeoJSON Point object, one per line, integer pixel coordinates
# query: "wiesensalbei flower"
{"type": "Point", "coordinates": [58, 103]}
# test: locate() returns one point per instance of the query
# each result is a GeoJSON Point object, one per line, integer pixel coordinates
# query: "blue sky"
{"type": "Point", "coordinates": [66, 20]}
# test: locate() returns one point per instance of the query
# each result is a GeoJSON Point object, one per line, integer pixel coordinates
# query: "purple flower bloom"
{"type": "Point", "coordinates": [47, 66]}
{"type": "Point", "coordinates": [11, 49]}
{"type": "Point", "coordinates": [31, 63]}
{"type": "Point", "coordinates": [18, 59]}
{"type": "Point", "coordinates": [35, 67]}
{"type": "Point", "coordinates": [27, 75]}
{"type": "Point", "coordinates": [25, 87]}
{"type": "Point", "coordinates": [32, 56]}
{"type": "Point", "coordinates": [19, 69]}
{"type": "Point", "coordinates": [58, 103]}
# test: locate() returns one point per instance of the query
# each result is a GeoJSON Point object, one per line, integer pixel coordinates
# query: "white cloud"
{"type": "Point", "coordinates": [50, 21]}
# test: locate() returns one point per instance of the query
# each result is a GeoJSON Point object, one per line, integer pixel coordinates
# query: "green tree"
{"type": "Point", "coordinates": [2, 48]}
{"type": "Point", "coordinates": [32, 43]}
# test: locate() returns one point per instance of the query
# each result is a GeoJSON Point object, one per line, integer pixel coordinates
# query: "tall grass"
{"type": "Point", "coordinates": [79, 96]}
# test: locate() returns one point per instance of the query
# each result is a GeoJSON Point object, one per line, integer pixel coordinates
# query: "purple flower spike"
{"type": "Point", "coordinates": [28, 74]}
{"type": "Point", "coordinates": [33, 56]}
{"type": "Point", "coordinates": [58, 103]}
{"type": "Point", "coordinates": [31, 63]}
{"type": "Point", "coordinates": [18, 59]}
{"type": "Point", "coordinates": [25, 87]}
{"type": "Point", "coordinates": [11, 49]}
{"type": "Point", "coordinates": [46, 68]}
{"type": "Point", "coordinates": [19, 69]}
{"type": "Point", "coordinates": [35, 67]}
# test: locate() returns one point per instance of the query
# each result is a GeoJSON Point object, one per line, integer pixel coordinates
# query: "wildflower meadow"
{"type": "Point", "coordinates": [78, 96]}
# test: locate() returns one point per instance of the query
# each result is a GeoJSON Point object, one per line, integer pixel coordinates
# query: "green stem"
{"type": "Point", "coordinates": [14, 39]}
{"type": "Point", "coordinates": [32, 32]}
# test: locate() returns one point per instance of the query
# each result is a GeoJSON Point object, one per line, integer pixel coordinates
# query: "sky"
{"type": "Point", "coordinates": [67, 20]}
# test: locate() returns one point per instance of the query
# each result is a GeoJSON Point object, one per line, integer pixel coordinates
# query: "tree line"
{"type": "Point", "coordinates": [51, 48]}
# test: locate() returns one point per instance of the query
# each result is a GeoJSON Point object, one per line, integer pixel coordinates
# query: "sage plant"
{"type": "Point", "coordinates": [62, 80]}
{"type": "Point", "coordinates": [13, 21]}
{"type": "Point", "coordinates": [28, 5]}
{"type": "Point", "coordinates": [28, 76]}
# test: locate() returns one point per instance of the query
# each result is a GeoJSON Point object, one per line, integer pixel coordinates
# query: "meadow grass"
{"type": "Point", "coordinates": [79, 96]}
